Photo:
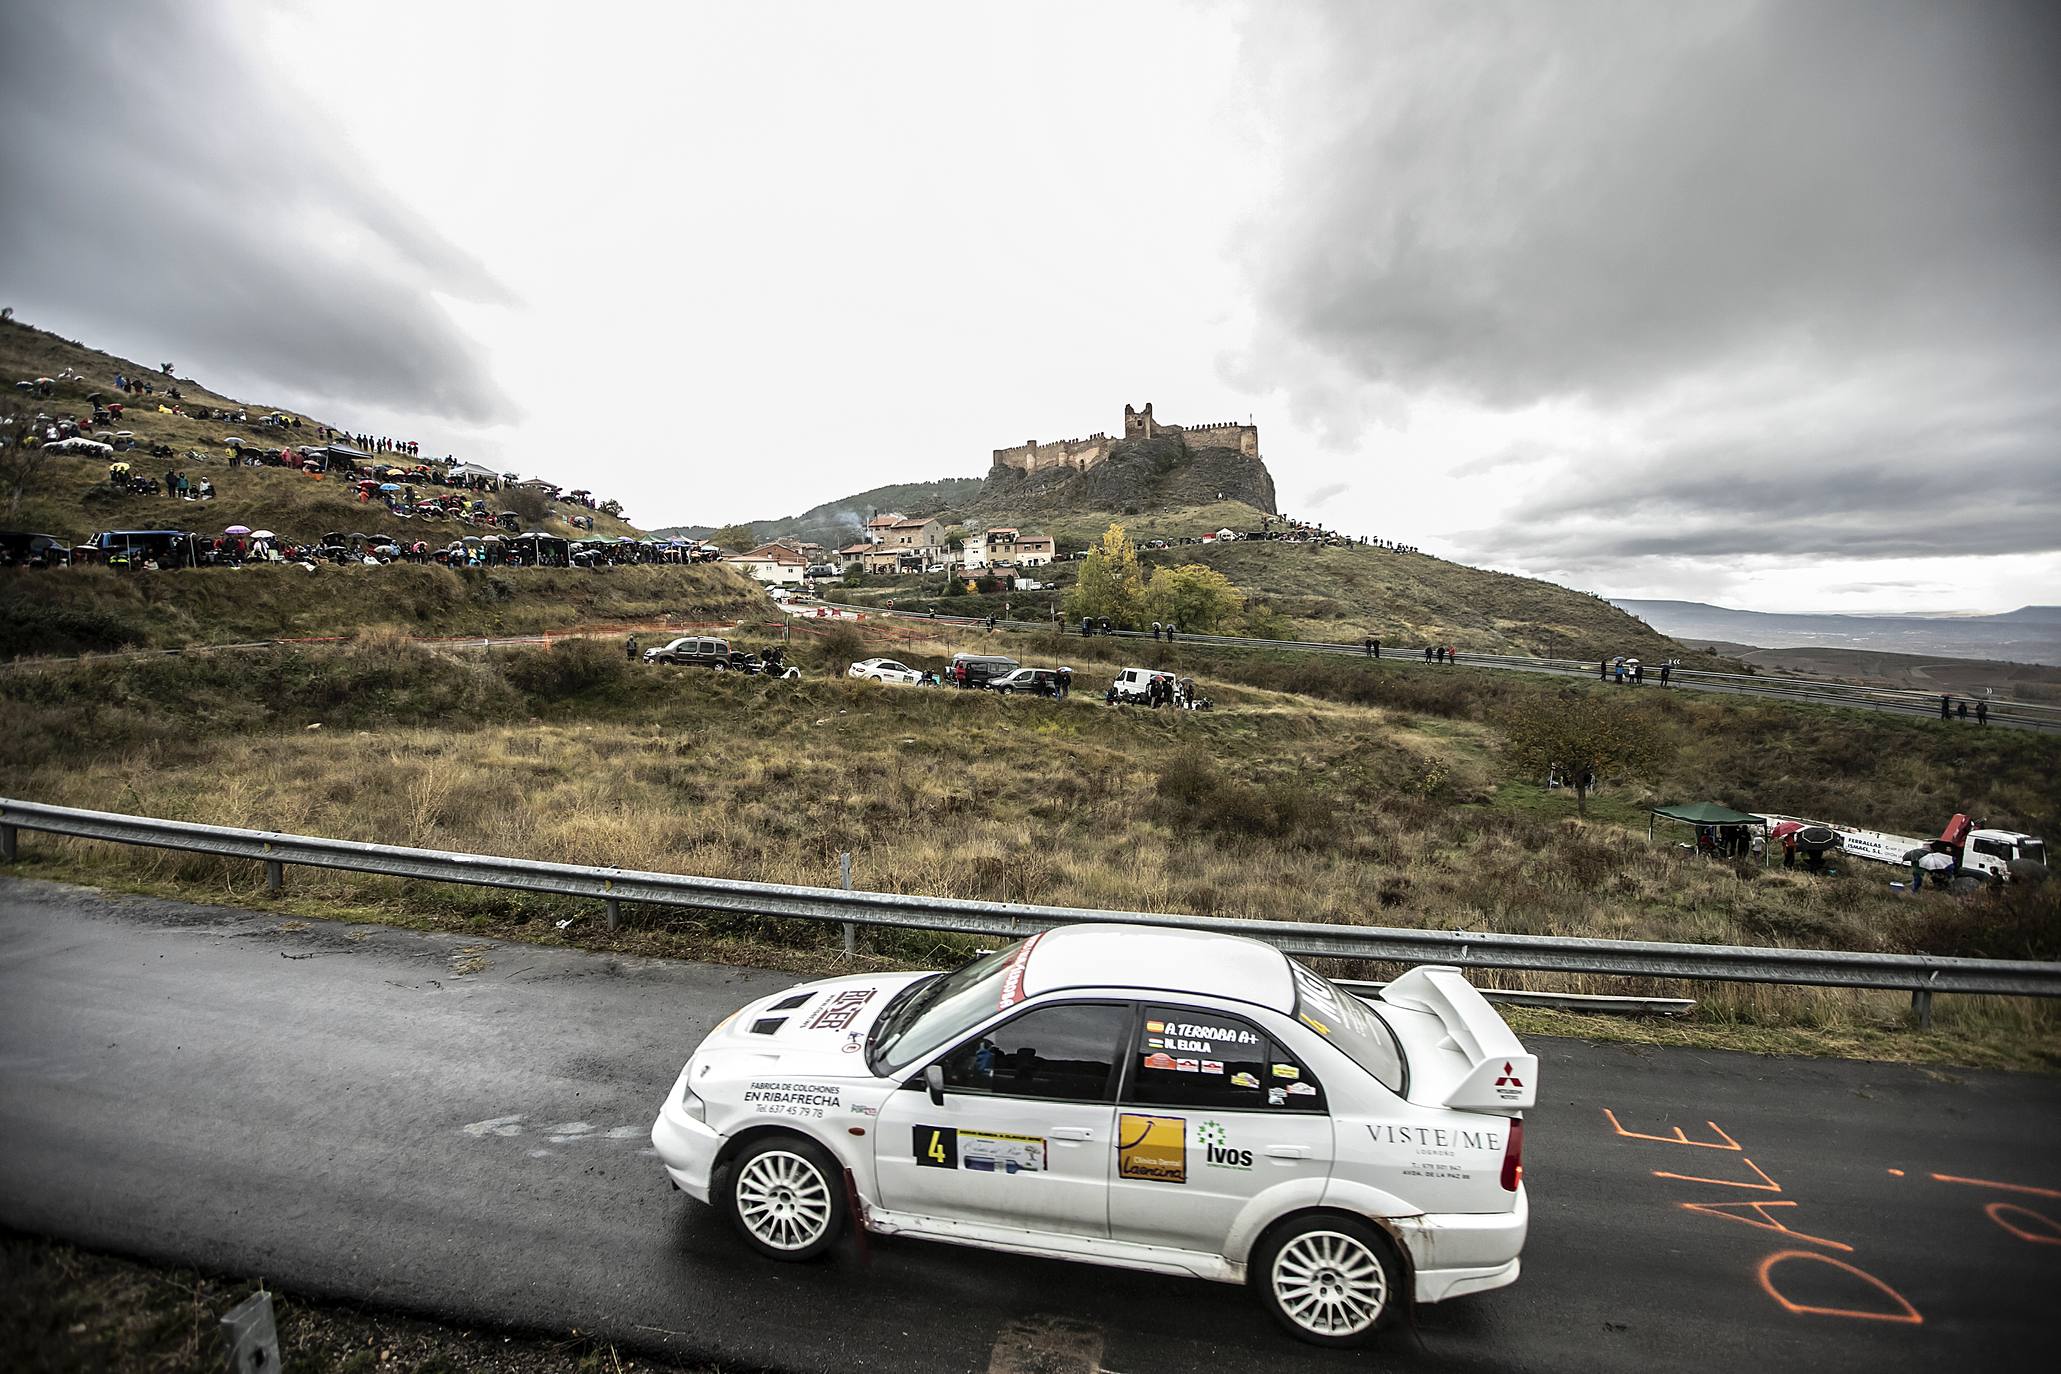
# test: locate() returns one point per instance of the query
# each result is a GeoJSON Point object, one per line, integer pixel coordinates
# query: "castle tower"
{"type": "Point", "coordinates": [1139, 424]}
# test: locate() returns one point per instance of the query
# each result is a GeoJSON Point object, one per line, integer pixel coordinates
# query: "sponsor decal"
{"type": "Point", "coordinates": [773, 1098]}
{"type": "Point", "coordinates": [1212, 1066]}
{"type": "Point", "coordinates": [1153, 1149]}
{"type": "Point", "coordinates": [1217, 1151]}
{"type": "Point", "coordinates": [1287, 1071]}
{"type": "Point", "coordinates": [840, 1011]}
{"type": "Point", "coordinates": [1012, 976]}
{"type": "Point", "coordinates": [1188, 1065]}
{"type": "Point", "coordinates": [1159, 1061]}
{"type": "Point", "coordinates": [1301, 1090]}
{"type": "Point", "coordinates": [996, 1152]}
{"type": "Point", "coordinates": [937, 1147]}
{"type": "Point", "coordinates": [861, 1109]}
{"type": "Point", "coordinates": [1277, 1097]}
{"type": "Point", "coordinates": [1244, 1080]}
{"type": "Point", "coordinates": [1154, 1042]}
{"type": "Point", "coordinates": [851, 1043]}
{"type": "Point", "coordinates": [1446, 1138]}
{"type": "Point", "coordinates": [1314, 1024]}
{"type": "Point", "coordinates": [1155, 1026]}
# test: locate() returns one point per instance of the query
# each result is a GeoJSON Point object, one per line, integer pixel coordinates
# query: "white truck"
{"type": "Point", "coordinates": [1982, 852]}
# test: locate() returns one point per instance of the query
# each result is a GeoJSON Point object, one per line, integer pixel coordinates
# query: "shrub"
{"type": "Point", "coordinates": [2018, 921]}
{"type": "Point", "coordinates": [36, 627]}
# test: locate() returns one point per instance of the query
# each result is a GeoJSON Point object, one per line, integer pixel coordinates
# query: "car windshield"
{"type": "Point", "coordinates": [1353, 1026]}
{"type": "Point", "coordinates": [893, 667]}
{"type": "Point", "coordinates": [937, 1012]}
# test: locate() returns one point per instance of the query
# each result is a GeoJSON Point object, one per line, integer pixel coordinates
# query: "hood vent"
{"type": "Point", "coordinates": [790, 1003]}
{"type": "Point", "coordinates": [767, 1025]}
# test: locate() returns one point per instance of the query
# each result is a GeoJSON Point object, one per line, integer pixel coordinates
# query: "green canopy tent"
{"type": "Point", "coordinates": [1702, 814]}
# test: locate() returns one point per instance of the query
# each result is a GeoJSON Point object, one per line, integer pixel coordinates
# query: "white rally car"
{"type": "Point", "coordinates": [1149, 1098]}
{"type": "Point", "coordinates": [883, 670]}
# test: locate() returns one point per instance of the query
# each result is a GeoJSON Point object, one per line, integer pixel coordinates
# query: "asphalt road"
{"type": "Point", "coordinates": [459, 1128]}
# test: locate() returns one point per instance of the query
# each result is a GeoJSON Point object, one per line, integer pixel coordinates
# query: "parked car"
{"type": "Point", "coordinates": [883, 670]}
{"type": "Point", "coordinates": [23, 550]}
{"type": "Point", "coordinates": [695, 651]}
{"type": "Point", "coordinates": [976, 670]}
{"type": "Point", "coordinates": [1181, 1102]}
{"type": "Point", "coordinates": [1042, 682]}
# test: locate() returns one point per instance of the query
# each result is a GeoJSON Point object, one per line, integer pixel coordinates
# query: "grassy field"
{"type": "Point", "coordinates": [86, 609]}
{"type": "Point", "coordinates": [1344, 792]}
{"type": "Point", "coordinates": [71, 496]}
{"type": "Point", "coordinates": [70, 1311]}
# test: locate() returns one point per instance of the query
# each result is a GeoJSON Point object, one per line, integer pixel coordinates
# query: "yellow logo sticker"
{"type": "Point", "coordinates": [1152, 1148]}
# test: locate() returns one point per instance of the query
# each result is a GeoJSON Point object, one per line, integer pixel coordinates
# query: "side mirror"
{"type": "Point", "coordinates": [934, 1079]}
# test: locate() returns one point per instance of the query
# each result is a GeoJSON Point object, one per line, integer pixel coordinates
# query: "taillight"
{"type": "Point", "coordinates": [1513, 1156]}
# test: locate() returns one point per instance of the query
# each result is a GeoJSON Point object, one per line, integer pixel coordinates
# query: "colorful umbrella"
{"type": "Point", "coordinates": [237, 529]}
{"type": "Point", "coordinates": [389, 486]}
{"type": "Point", "coordinates": [263, 534]}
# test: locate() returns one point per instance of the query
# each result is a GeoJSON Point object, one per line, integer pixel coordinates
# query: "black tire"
{"type": "Point", "coordinates": [720, 667]}
{"type": "Point", "coordinates": [785, 1196]}
{"type": "Point", "coordinates": [1003, 691]}
{"type": "Point", "coordinates": [1346, 1269]}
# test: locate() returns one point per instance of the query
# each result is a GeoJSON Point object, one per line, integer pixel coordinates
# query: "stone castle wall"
{"type": "Point", "coordinates": [1031, 457]}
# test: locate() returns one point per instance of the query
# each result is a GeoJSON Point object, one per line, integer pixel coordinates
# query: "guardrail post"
{"type": "Point", "coordinates": [1921, 1007]}
{"type": "Point", "coordinates": [844, 880]}
{"type": "Point", "coordinates": [615, 911]}
{"type": "Point", "coordinates": [7, 833]}
{"type": "Point", "coordinates": [275, 876]}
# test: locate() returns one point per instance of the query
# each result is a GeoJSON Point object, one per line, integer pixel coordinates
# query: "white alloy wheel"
{"type": "Point", "coordinates": [1330, 1280]}
{"type": "Point", "coordinates": [783, 1198]}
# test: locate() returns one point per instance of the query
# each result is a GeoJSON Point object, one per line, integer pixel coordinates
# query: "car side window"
{"type": "Point", "coordinates": [1065, 1053]}
{"type": "Point", "coordinates": [1191, 1057]}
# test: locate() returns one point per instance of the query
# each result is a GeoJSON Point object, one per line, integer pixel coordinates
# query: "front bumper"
{"type": "Point", "coordinates": [686, 1147]}
{"type": "Point", "coordinates": [1456, 1253]}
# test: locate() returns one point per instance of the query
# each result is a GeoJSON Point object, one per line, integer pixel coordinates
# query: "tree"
{"type": "Point", "coordinates": [1198, 599]}
{"type": "Point", "coordinates": [21, 455]}
{"type": "Point", "coordinates": [734, 539]}
{"type": "Point", "coordinates": [1585, 735]}
{"type": "Point", "coordinates": [1109, 583]}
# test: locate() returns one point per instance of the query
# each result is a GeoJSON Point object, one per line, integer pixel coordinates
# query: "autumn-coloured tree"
{"type": "Point", "coordinates": [1110, 582]}
{"type": "Point", "coordinates": [1199, 599]}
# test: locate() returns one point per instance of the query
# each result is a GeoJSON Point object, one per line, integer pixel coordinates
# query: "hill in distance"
{"type": "Point", "coordinates": [71, 497]}
{"type": "Point", "coordinates": [2030, 634]}
{"type": "Point", "coordinates": [1161, 488]}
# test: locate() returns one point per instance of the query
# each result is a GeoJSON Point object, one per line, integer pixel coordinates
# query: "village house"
{"type": "Point", "coordinates": [774, 564]}
{"type": "Point", "coordinates": [1004, 545]}
{"type": "Point", "coordinates": [926, 536]}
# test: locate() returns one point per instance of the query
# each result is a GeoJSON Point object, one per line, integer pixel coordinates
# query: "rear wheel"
{"type": "Point", "coordinates": [785, 1195]}
{"type": "Point", "coordinates": [1330, 1280]}
{"type": "Point", "coordinates": [720, 667]}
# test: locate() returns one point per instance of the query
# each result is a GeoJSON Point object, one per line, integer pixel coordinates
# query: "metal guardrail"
{"type": "Point", "coordinates": [1920, 975]}
{"type": "Point", "coordinates": [2024, 715]}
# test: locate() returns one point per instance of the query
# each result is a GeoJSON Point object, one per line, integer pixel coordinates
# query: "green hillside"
{"type": "Point", "coordinates": [70, 497]}
{"type": "Point", "coordinates": [1352, 592]}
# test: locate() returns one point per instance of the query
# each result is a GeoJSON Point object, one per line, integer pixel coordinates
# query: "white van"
{"type": "Point", "coordinates": [1134, 684]}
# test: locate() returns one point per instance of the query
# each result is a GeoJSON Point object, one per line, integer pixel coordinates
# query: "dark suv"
{"type": "Point", "coordinates": [974, 670]}
{"type": "Point", "coordinates": [700, 653]}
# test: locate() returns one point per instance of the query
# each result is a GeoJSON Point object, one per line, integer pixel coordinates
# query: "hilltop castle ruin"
{"type": "Point", "coordinates": [1081, 454]}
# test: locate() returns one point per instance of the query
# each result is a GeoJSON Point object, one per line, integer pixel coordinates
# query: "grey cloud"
{"type": "Point", "coordinates": [161, 185]}
{"type": "Point", "coordinates": [1632, 204]}
{"type": "Point", "coordinates": [1326, 492]}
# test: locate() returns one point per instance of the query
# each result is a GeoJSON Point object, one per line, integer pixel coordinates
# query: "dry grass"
{"type": "Point", "coordinates": [1274, 807]}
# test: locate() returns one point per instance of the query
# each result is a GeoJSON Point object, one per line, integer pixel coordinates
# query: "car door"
{"type": "Point", "coordinates": [1023, 1135]}
{"type": "Point", "coordinates": [1212, 1112]}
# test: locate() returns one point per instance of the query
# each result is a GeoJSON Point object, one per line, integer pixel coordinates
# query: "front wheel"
{"type": "Point", "coordinates": [720, 667]}
{"type": "Point", "coordinates": [785, 1196]}
{"type": "Point", "coordinates": [1330, 1280]}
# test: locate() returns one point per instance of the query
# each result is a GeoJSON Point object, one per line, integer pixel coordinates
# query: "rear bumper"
{"type": "Point", "coordinates": [1456, 1253]}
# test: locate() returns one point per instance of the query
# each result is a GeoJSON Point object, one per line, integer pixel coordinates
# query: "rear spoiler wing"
{"type": "Point", "coordinates": [1502, 1076]}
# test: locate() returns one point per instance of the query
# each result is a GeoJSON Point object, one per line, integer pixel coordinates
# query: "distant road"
{"type": "Point", "coordinates": [459, 1128]}
{"type": "Point", "coordinates": [2018, 715]}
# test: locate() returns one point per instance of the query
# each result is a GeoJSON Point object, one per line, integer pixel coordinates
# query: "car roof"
{"type": "Point", "coordinates": [1152, 959]}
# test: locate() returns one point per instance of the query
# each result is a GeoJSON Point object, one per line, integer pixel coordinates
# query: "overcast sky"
{"type": "Point", "coordinates": [1740, 302]}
